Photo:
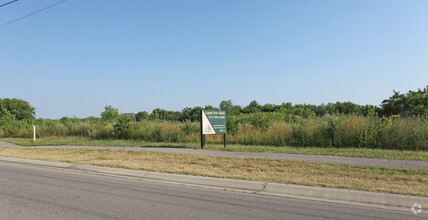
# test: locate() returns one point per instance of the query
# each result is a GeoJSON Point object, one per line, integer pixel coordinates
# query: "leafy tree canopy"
{"type": "Point", "coordinates": [110, 113]}
{"type": "Point", "coordinates": [142, 116]}
{"type": "Point", "coordinates": [16, 109]}
{"type": "Point", "coordinates": [411, 103]}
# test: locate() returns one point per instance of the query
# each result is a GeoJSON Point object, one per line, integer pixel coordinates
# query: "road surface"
{"type": "Point", "coordinates": [29, 192]}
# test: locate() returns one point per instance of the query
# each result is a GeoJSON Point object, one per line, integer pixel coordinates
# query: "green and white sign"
{"type": "Point", "coordinates": [213, 122]}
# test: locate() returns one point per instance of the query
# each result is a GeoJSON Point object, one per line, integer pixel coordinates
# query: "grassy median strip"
{"type": "Point", "coordinates": [398, 181]}
{"type": "Point", "coordinates": [344, 152]}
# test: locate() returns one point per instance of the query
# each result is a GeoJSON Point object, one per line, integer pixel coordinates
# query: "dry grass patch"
{"type": "Point", "coordinates": [345, 152]}
{"type": "Point", "coordinates": [398, 181]}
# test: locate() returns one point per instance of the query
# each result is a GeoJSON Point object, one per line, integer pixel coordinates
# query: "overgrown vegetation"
{"type": "Point", "coordinates": [400, 123]}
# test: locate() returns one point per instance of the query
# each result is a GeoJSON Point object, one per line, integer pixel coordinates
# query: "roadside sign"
{"type": "Point", "coordinates": [213, 122]}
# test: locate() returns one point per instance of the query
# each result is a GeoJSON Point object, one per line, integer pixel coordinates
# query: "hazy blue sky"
{"type": "Point", "coordinates": [79, 56]}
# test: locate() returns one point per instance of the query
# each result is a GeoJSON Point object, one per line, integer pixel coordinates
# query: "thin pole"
{"type": "Point", "coordinates": [203, 141]}
{"type": "Point", "coordinates": [224, 140]}
{"type": "Point", "coordinates": [202, 135]}
{"type": "Point", "coordinates": [34, 133]}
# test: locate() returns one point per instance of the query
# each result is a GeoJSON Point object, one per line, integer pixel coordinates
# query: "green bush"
{"type": "Point", "coordinates": [124, 128]}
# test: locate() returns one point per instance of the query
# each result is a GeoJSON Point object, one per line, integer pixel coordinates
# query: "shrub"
{"type": "Point", "coordinates": [124, 127]}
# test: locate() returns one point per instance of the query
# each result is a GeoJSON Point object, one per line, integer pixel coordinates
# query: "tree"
{"type": "Point", "coordinates": [157, 114]}
{"type": "Point", "coordinates": [16, 108]}
{"type": "Point", "coordinates": [230, 109]}
{"type": "Point", "coordinates": [225, 105]}
{"type": "Point", "coordinates": [185, 114]}
{"type": "Point", "coordinates": [269, 107]}
{"type": "Point", "coordinates": [210, 107]}
{"type": "Point", "coordinates": [195, 113]}
{"type": "Point", "coordinates": [161, 114]}
{"type": "Point", "coordinates": [235, 110]}
{"type": "Point", "coordinates": [142, 116]}
{"type": "Point", "coordinates": [411, 103]}
{"type": "Point", "coordinates": [110, 113]}
{"type": "Point", "coordinates": [346, 107]}
{"type": "Point", "coordinates": [253, 107]}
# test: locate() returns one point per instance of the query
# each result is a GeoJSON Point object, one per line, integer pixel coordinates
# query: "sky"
{"type": "Point", "coordinates": [77, 57]}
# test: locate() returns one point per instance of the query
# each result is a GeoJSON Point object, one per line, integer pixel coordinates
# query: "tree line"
{"type": "Point", "coordinates": [408, 104]}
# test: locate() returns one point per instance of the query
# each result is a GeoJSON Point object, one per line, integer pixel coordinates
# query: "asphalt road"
{"type": "Point", "coordinates": [29, 192]}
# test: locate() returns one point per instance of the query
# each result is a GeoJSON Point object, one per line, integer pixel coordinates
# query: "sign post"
{"type": "Point", "coordinates": [34, 134]}
{"type": "Point", "coordinates": [213, 122]}
{"type": "Point", "coordinates": [202, 132]}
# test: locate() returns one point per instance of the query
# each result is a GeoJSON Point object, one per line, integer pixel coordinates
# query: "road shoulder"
{"type": "Point", "coordinates": [352, 197]}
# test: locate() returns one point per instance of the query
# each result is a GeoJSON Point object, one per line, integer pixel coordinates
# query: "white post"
{"type": "Point", "coordinates": [34, 133]}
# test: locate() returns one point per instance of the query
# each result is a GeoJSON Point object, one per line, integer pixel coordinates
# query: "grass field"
{"type": "Point", "coordinates": [348, 152]}
{"type": "Point", "coordinates": [386, 180]}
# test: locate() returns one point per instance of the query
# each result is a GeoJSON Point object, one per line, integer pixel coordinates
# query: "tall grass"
{"type": "Point", "coordinates": [407, 133]}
